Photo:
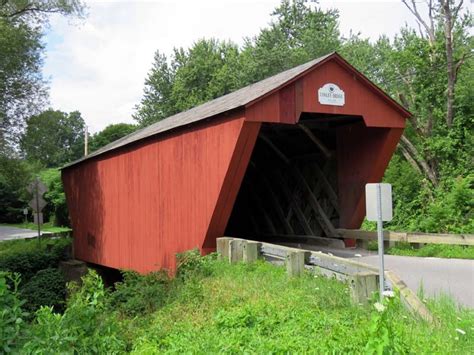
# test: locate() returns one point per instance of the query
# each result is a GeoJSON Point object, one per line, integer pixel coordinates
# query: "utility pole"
{"type": "Point", "coordinates": [86, 141]}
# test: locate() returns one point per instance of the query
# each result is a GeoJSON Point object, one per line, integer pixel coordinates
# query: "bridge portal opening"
{"type": "Point", "coordinates": [290, 188]}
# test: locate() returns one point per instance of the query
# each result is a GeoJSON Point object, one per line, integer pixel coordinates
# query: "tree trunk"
{"type": "Point", "coordinates": [448, 28]}
{"type": "Point", "coordinates": [414, 156]}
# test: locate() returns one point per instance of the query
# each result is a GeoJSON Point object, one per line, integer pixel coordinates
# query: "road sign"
{"type": "Point", "coordinates": [37, 220]}
{"type": "Point", "coordinates": [37, 188]}
{"type": "Point", "coordinates": [378, 202]}
{"type": "Point", "coordinates": [371, 201]}
{"type": "Point", "coordinates": [37, 205]}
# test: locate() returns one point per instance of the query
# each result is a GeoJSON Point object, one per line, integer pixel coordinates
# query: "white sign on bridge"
{"type": "Point", "coordinates": [331, 94]}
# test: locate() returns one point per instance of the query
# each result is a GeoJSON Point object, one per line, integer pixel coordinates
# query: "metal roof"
{"type": "Point", "coordinates": [211, 108]}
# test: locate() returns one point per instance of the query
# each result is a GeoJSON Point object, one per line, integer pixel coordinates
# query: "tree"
{"type": "Point", "coordinates": [209, 69]}
{"type": "Point", "coordinates": [212, 68]}
{"type": "Point", "coordinates": [53, 138]}
{"type": "Point", "coordinates": [23, 91]}
{"type": "Point", "coordinates": [15, 175]}
{"type": "Point", "coordinates": [109, 134]}
{"type": "Point", "coordinates": [299, 33]}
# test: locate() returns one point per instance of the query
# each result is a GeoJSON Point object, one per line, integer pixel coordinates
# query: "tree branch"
{"type": "Point", "coordinates": [421, 162]}
{"type": "Point", "coordinates": [414, 10]}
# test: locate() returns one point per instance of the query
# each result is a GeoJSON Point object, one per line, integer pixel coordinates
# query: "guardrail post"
{"type": "Point", "coordinates": [363, 285]}
{"type": "Point", "coordinates": [295, 262]}
{"type": "Point", "coordinates": [236, 250]}
{"type": "Point", "coordinates": [223, 245]}
{"type": "Point", "coordinates": [251, 251]}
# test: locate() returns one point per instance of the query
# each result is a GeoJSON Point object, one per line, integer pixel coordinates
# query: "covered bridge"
{"type": "Point", "coordinates": [287, 156]}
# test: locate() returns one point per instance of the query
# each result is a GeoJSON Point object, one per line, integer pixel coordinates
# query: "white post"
{"type": "Point", "coordinates": [86, 136]}
{"type": "Point", "coordinates": [380, 241]}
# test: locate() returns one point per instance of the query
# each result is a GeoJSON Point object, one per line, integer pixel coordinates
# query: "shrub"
{"type": "Point", "coordinates": [191, 263]}
{"type": "Point", "coordinates": [46, 288]}
{"type": "Point", "coordinates": [27, 257]}
{"type": "Point", "coordinates": [85, 326]}
{"type": "Point", "coordinates": [11, 314]}
{"type": "Point", "coordinates": [139, 294]}
{"type": "Point", "coordinates": [56, 209]}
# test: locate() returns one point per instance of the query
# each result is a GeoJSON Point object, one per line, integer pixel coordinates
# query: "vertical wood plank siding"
{"type": "Point", "coordinates": [136, 206]}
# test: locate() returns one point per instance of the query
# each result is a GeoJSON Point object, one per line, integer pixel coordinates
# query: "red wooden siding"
{"type": "Point", "coordinates": [136, 206]}
{"type": "Point", "coordinates": [140, 206]}
{"type": "Point", "coordinates": [285, 105]}
{"type": "Point", "coordinates": [362, 157]}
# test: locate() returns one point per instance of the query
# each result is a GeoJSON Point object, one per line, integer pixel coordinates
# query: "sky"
{"type": "Point", "coordinates": [98, 65]}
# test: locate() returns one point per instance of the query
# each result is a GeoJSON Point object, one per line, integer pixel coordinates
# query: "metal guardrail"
{"type": "Point", "coordinates": [409, 237]}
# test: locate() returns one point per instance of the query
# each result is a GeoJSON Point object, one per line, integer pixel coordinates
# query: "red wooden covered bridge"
{"type": "Point", "coordinates": [287, 156]}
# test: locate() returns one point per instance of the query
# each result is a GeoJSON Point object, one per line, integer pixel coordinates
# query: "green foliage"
{"type": "Point", "coordinates": [46, 288]}
{"type": "Point", "coordinates": [236, 308]}
{"type": "Point", "coordinates": [11, 314]}
{"type": "Point", "coordinates": [54, 138]}
{"type": "Point", "coordinates": [15, 175]}
{"type": "Point", "coordinates": [55, 197]}
{"type": "Point", "coordinates": [22, 91]}
{"type": "Point", "coordinates": [110, 134]}
{"type": "Point", "coordinates": [27, 257]}
{"type": "Point", "coordinates": [212, 68]}
{"type": "Point", "coordinates": [84, 327]}
{"type": "Point", "coordinates": [138, 294]}
{"type": "Point", "coordinates": [433, 250]}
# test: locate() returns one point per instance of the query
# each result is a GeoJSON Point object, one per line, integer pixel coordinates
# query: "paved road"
{"type": "Point", "coordinates": [450, 276]}
{"type": "Point", "coordinates": [8, 233]}
{"type": "Point", "coordinates": [454, 277]}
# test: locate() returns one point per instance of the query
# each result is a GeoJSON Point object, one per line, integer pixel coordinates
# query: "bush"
{"type": "Point", "coordinates": [46, 288]}
{"type": "Point", "coordinates": [15, 175]}
{"type": "Point", "coordinates": [56, 209]}
{"type": "Point", "coordinates": [84, 328]}
{"type": "Point", "coordinates": [139, 294]}
{"type": "Point", "coordinates": [27, 257]}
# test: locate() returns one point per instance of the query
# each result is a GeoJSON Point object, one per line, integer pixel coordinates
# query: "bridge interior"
{"type": "Point", "coordinates": [290, 188]}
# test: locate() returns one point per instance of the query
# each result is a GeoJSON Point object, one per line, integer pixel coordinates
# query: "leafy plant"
{"type": "Point", "coordinates": [46, 288]}
{"type": "Point", "coordinates": [84, 327]}
{"type": "Point", "coordinates": [11, 314]}
{"type": "Point", "coordinates": [139, 295]}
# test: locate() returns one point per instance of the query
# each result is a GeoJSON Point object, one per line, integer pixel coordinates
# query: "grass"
{"type": "Point", "coordinates": [214, 307]}
{"type": "Point", "coordinates": [258, 309]}
{"type": "Point", "coordinates": [46, 227]}
{"type": "Point", "coordinates": [24, 246]}
{"type": "Point", "coordinates": [428, 250]}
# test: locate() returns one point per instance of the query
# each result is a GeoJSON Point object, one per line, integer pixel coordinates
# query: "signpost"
{"type": "Point", "coordinates": [378, 202]}
{"type": "Point", "coordinates": [37, 189]}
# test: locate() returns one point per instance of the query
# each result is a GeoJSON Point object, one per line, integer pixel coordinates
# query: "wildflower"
{"type": "Point", "coordinates": [379, 307]}
{"type": "Point", "coordinates": [460, 331]}
{"type": "Point", "coordinates": [389, 294]}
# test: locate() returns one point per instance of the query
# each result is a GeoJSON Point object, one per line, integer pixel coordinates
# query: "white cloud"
{"type": "Point", "coordinates": [98, 66]}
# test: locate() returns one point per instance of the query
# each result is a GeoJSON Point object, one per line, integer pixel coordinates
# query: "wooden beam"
{"type": "Point", "coordinates": [275, 148]}
{"type": "Point", "coordinates": [291, 197]}
{"type": "Point", "coordinates": [327, 187]}
{"type": "Point", "coordinates": [327, 153]}
{"type": "Point", "coordinates": [267, 218]}
{"type": "Point", "coordinates": [410, 237]}
{"type": "Point", "coordinates": [275, 203]}
{"type": "Point", "coordinates": [321, 216]}
{"type": "Point", "coordinates": [323, 220]}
